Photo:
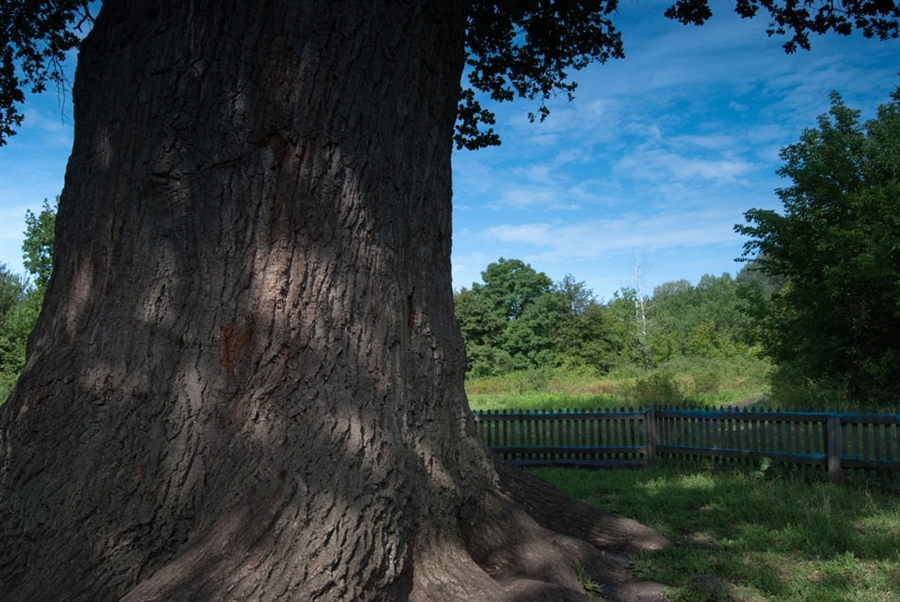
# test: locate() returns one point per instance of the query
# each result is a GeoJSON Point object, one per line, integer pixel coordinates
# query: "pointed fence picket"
{"type": "Point", "coordinates": [628, 438]}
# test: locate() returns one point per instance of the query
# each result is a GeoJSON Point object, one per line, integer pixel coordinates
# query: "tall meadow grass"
{"type": "Point", "coordinates": [697, 382]}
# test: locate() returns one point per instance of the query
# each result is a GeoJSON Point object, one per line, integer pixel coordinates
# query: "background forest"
{"type": "Point", "coordinates": [21, 296]}
{"type": "Point", "coordinates": [683, 344]}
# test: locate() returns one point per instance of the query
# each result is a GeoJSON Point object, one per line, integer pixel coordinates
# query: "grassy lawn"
{"type": "Point", "coordinates": [751, 536]}
{"type": "Point", "coordinates": [539, 401]}
{"type": "Point", "coordinates": [696, 383]}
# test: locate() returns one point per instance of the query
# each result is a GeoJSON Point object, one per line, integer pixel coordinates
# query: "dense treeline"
{"type": "Point", "coordinates": [517, 319]}
{"type": "Point", "coordinates": [21, 298]}
{"type": "Point", "coordinates": [834, 328]}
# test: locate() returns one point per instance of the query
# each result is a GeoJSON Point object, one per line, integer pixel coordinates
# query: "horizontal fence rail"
{"type": "Point", "coordinates": [631, 438]}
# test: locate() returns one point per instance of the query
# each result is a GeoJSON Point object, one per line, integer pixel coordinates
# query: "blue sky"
{"type": "Point", "coordinates": [652, 165]}
{"type": "Point", "coordinates": [660, 154]}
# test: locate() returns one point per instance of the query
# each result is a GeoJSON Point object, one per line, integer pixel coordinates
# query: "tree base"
{"type": "Point", "coordinates": [530, 543]}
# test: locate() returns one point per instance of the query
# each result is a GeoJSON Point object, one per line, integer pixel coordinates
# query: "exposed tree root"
{"type": "Point", "coordinates": [535, 543]}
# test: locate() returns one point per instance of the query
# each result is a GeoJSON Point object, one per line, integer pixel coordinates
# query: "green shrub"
{"type": "Point", "coordinates": [659, 388]}
{"type": "Point", "coordinates": [708, 380]}
{"type": "Point", "coordinates": [794, 391]}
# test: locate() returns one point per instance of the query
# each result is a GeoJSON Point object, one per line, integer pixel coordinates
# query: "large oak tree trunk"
{"type": "Point", "coordinates": [247, 382]}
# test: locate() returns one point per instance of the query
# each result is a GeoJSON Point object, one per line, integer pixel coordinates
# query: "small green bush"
{"type": "Point", "coordinates": [658, 389]}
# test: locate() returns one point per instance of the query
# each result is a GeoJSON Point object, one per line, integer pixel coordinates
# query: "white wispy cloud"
{"type": "Point", "coordinates": [662, 164]}
{"type": "Point", "coordinates": [597, 238]}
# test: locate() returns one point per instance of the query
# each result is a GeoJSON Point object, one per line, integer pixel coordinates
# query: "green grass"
{"type": "Point", "coordinates": [542, 401]}
{"type": "Point", "coordinates": [687, 383]}
{"type": "Point", "coordinates": [774, 537]}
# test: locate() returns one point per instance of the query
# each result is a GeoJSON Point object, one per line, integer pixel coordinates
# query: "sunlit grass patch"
{"type": "Point", "coordinates": [536, 401]}
{"type": "Point", "coordinates": [778, 538]}
{"type": "Point", "coordinates": [686, 383]}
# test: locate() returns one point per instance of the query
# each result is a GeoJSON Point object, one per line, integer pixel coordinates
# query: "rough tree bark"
{"type": "Point", "coordinates": [247, 382]}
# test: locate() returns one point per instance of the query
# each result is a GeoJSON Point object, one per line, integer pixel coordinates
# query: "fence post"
{"type": "Point", "coordinates": [650, 423]}
{"type": "Point", "coordinates": [834, 442]}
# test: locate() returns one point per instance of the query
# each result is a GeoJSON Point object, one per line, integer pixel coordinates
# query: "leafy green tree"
{"type": "Point", "coordinates": [16, 323]}
{"type": "Point", "coordinates": [722, 314]}
{"type": "Point", "coordinates": [672, 314]}
{"type": "Point", "coordinates": [584, 332]}
{"type": "Point", "coordinates": [20, 301]}
{"type": "Point", "coordinates": [753, 277]}
{"type": "Point", "coordinates": [38, 245]}
{"type": "Point", "coordinates": [837, 247]}
{"type": "Point", "coordinates": [755, 291]}
{"type": "Point", "coordinates": [12, 293]}
{"type": "Point", "coordinates": [510, 286]}
{"type": "Point", "coordinates": [530, 339]}
{"type": "Point", "coordinates": [672, 289]}
{"type": "Point", "coordinates": [508, 321]}
{"type": "Point", "coordinates": [518, 319]}
{"type": "Point", "coordinates": [20, 304]}
{"type": "Point", "coordinates": [709, 320]}
{"type": "Point", "coordinates": [482, 330]}
{"type": "Point", "coordinates": [631, 326]}
{"type": "Point", "coordinates": [12, 290]}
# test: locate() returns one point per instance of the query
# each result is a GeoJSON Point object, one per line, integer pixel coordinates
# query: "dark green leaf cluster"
{"type": "Point", "coordinates": [715, 319]}
{"type": "Point", "coordinates": [19, 308]}
{"type": "Point", "coordinates": [800, 18]}
{"type": "Point", "coordinates": [38, 35]}
{"type": "Point", "coordinates": [507, 322]}
{"type": "Point", "coordinates": [37, 247]}
{"type": "Point", "coordinates": [21, 300]}
{"type": "Point", "coordinates": [836, 245]}
{"type": "Point", "coordinates": [525, 48]}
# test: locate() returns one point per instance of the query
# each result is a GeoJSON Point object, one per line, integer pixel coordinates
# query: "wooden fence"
{"type": "Point", "coordinates": [631, 438]}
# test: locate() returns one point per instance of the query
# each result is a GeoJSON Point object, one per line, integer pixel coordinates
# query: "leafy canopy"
{"type": "Point", "coordinates": [518, 319]}
{"type": "Point", "coordinates": [38, 35]}
{"type": "Point", "coordinates": [511, 286]}
{"type": "Point", "coordinates": [515, 48]}
{"type": "Point", "coordinates": [20, 301]}
{"type": "Point", "coordinates": [836, 245]}
{"type": "Point", "coordinates": [508, 320]}
{"type": "Point", "coordinates": [37, 247]}
{"type": "Point", "coordinates": [800, 18]}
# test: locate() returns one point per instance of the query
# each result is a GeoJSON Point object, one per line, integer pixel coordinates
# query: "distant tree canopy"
{"type": "Point", "coordinates": [507, 321]}
{"type": "Point", "coordinates": [835, 323]}
{"type": "Point", "coordinates": [38, 35]}
{"type": "Point", "coordinates": [19, 308]}
{"type": "Point", "coordinates": [519, 319]}
{"type": "Point", "coordinates": [38, 244]}
{"type": "Point", "coordinates": [20, 299]}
